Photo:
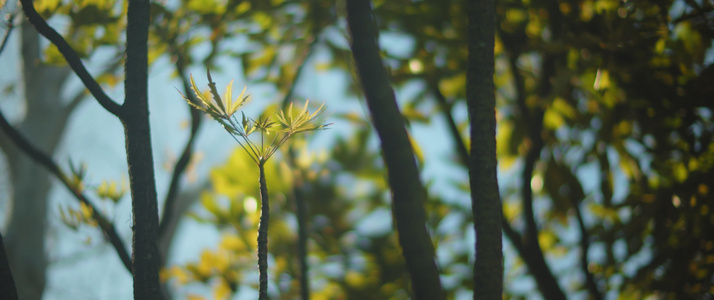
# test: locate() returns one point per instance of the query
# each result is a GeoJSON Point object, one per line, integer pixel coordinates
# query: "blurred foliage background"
{"type": "Point", "coordinates": [605, 122]}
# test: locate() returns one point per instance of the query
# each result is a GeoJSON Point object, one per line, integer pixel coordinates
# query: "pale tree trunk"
{"type": "Point", "coordinates": [44, 123]}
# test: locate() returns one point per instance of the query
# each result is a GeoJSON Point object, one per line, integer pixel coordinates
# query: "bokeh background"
{"type": "Point", "coordinates": [605, 148]}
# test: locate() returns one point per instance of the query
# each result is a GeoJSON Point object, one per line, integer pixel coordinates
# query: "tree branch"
{"type": "Point", "coordinates": [169, 210]}
{"type": "Point", "coordinates": [38, 156]}
{"type": "Point", "coordinates": [71, 56]}
{"type": "Point", "coordinates": [300, 66]}
{"type": "Point", "coordinates": [297, 190]}
{"type": "Point", "coordinates": [446, 108]}
{"type": "Point", "coordinates": [527, 245]}
{"type": "Point", "coordinates": [584, 247]}
{"type": "Point", "coordinates": [7, 283]}
{"type": "Point", "coordinates": [408, 193]}
{"type": "Point", "coordinates": [547, 283]}
{"type": "Point", "coordinates": [10, 27]}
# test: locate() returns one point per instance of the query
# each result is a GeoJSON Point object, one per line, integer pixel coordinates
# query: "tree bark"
{"type": "Point", "coordinates": [408, 192]}
{"type": "Point", "coordinates": [485, 198]}
{"type": "Point", "coordinates": [135, 118]}
{"type": "Point", "coordinates": [263, 234]}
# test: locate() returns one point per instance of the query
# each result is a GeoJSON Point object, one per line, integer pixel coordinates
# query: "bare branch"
{"type": "Point", "coordinates": [72, 58]}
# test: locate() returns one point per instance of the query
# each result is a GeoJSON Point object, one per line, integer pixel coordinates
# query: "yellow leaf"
{"type": "Point", "coordinates": [606, 5]}
{"type": "Point", "coordinates": [243, 7]}
{"type": "Point", "coordinates": [453, 86]}
{"type": "Point", "coordinates": [322, 66]}
{"type": "Point", "coordinates": [552, 120]}
{"type": "Point", "coordinates": [354, 279]}
{"type": "Point", "coordinates": [511, 210]}
{"type": "Point", "coordinates": [232, 243]}
{"type": "Point", "coordinates": [547, 239]}
{"type": "Point", "coordinates": [221, 290]}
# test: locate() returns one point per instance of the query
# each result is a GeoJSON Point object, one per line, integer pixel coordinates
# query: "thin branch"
{"type": "Point", "coordinates": [10, 27]}
{"type": "Point", "coordinates": [297, 190]}
{"type": "Point", "coordinates": [72, 58]}
{"type": "Point", "coordinates": [513, 236]}
{"type": "Point", "coordinates": [446, 107]}
{"type": "Point", "coordinates": [184, 159]}
{"type": "Point", "coordinates": [547, 283]}
{"type": "Point", "coordinates": [300, 66]}
{"type": "Point", "coordinates": [584, 246]}
{"type": "Point", "coordinates": [41, 158]}
{"type": "Point", "coordinates": [527, 245]}
{"type": "Point", "coordinates": [303, 232]}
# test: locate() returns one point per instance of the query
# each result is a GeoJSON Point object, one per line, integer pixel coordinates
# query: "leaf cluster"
{"type": "Point", "coordinates": [223, 110]}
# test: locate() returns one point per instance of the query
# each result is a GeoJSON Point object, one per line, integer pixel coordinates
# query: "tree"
{"type": "Point", "coordinates": [134, 115]}
{"type": "Point", "coordinates": [408, 193]}
{"type": "Point", "coordinates": [603, 143]}
{"type": "Point", "coordinates": [482, 164]}
{"type": "Point", "coordinates": [45, 120]}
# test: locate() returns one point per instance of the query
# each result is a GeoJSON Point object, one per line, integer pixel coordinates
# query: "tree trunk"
{"type": "Point", "coordinates": [485, 199]}
{"type": "Point", "coordinates": [44, 122]}
{"type": "Point", "coordinates": [408, 192]}
{"type": "Point", "coordinates": [135, 118]}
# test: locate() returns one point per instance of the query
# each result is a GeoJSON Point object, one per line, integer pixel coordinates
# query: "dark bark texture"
{"type": "Point", "coordinates": [408, 192]}
{"type": "Point", "coordinates": [485, 199]}
{"type": "Point", "coordinates": [7, 283]}
{"type": "Point", "coordinates": [135, 118]}
{"type": "Point", "coordinates": [263, 235]}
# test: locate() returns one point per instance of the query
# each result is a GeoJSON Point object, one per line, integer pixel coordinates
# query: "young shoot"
{"type": "Point", "coordinates": [272, 134]}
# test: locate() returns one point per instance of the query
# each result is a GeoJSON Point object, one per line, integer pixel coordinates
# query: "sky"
{"type": "Point", "coordinates": [82, 265]}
